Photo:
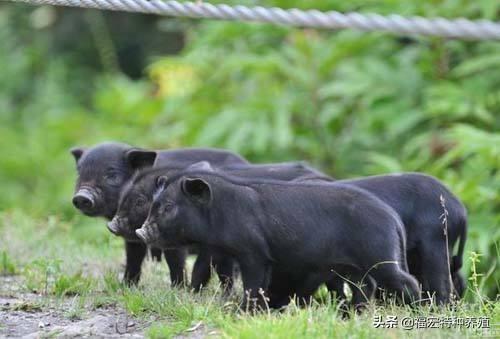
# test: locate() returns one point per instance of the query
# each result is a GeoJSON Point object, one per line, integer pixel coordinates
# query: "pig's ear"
{"type": "Point", "coordinates": [77, 152]}
{"type": "Point", "coordinates": [197, 189]}
{"type": "Point", "coordinates": [201, 166]}
{"type": "Point", "coordinates": [138, 158]}
{"type": "Point", "coordinates": [161, 182]}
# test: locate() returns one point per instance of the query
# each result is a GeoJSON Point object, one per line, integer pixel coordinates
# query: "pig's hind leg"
{"type": "Point", "coordinates": [224, 266]}
{"type": "Point", "coordinates": [459, 284]}
{"type": "Point", "coordinates": [363, 288]}
{"type": "Point", "coordinates": [335, 286]}
{"type": "Point", "coordinates": [391, 277]}
{"type": "Point", "coordinates": [435, 270]}
{"type": "Point", "coordinates": [256, 276]}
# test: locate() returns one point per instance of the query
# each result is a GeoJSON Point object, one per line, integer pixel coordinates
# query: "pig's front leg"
{"type": "Point", "coordinates": [135, 253]}
{"type": "Point", "coordinates": [176, 261]}
{"type": "Point", "coordinates": [256, 276]}
{"type": "Point", "coordinates": [201, 269]}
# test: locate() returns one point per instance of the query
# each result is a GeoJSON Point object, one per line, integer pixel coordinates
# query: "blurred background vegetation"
{"type": "Point", "coordinates": [350, 103]}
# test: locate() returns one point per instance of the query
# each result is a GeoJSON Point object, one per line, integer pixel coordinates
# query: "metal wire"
{"type": "Point", "coordinates": [396, 24]}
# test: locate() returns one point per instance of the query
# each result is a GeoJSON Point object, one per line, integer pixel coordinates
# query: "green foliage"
{"type": "Point", "coordinates": [76, 284]}
{"type": "Point", "coordinates": [111, 282]}
{"type": "Point", "coordinates": [350, 103]}
{"type": "Point", "coordinates": [77, 309]}
{"type": "Point", "coordinates": [7, 266]}
{"type": "Point", "coordinates": [40, 275]}
{"type": "Point", "coordinates": [161, 331]}
{"type": "Point", "coordinates": [45, 276]}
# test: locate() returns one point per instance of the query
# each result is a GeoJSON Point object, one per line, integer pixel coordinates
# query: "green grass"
{"type": "Point", "coordinates": [76, 284]}
{"type": "Point", "coordinates": [75, 267]}
{"type": "Point", "coordinates": [7, 266]}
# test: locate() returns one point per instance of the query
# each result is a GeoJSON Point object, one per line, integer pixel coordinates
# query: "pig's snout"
{"type": "Point", "coordinates": [118, 226]}
{"type": "Point", "coordinates": [141, 233]}
{"type": "Point", "coordinates": [84, 201]}
{"type": "Point", "coordinates": [148, 233]}
{"type": "Point", "coordinates": [114, 226]}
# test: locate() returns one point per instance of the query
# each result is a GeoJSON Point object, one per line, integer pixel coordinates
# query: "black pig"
{"type": "Point", "coordinates": [104, 169]}
{"type": "Point", "coordinates": [308, 229]}
{"type": "Point", "coordinates": [416, 198]}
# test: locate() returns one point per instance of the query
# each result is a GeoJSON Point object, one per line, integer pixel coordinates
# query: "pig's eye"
{"type": "Point", "coordinates": [167, 207]}
{"type": "Point", "coordinates": [113, 178]}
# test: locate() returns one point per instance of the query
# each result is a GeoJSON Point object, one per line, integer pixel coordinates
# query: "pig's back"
{"type": "Point", "coordinates": [188, 156]}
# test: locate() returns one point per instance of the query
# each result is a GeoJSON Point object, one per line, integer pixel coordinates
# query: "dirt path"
{"type": "Point", "coordinates": [29, 315]}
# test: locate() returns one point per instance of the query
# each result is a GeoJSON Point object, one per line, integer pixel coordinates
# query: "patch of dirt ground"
{"type": "Point", "coordinates": [29, 315]}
